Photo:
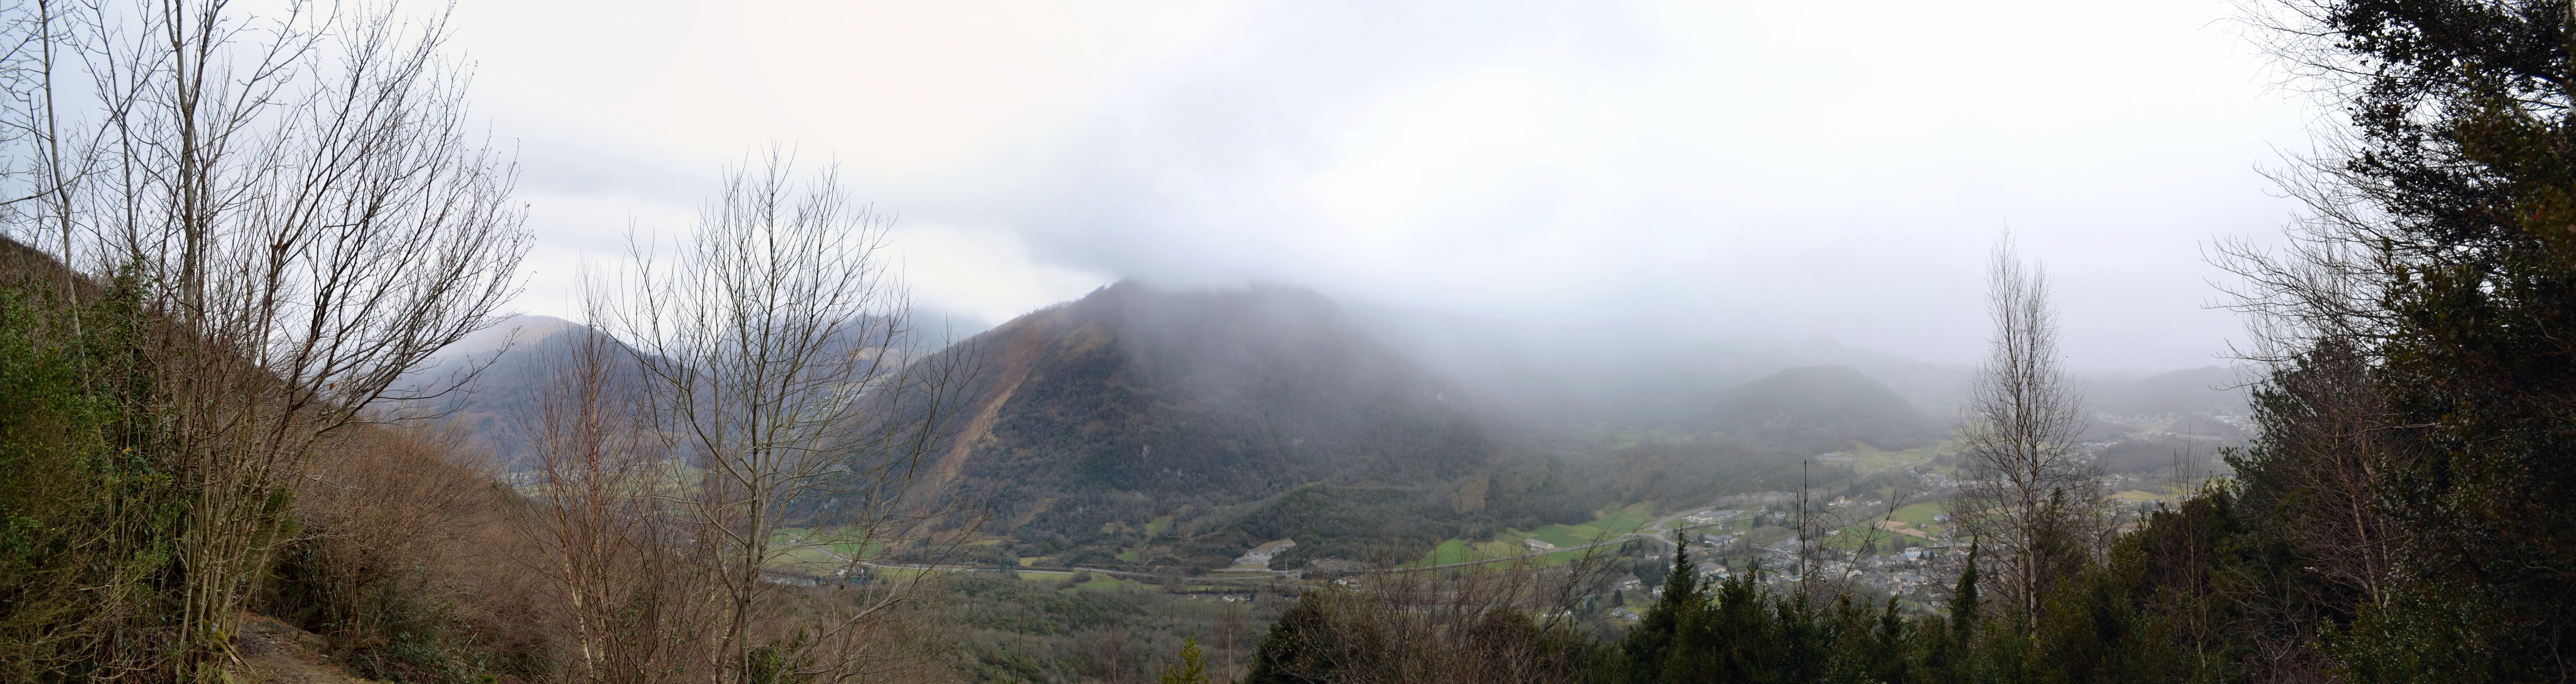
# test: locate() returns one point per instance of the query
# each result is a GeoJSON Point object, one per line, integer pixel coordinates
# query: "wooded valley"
{"type": "Point", "coordinates": [266, 416]}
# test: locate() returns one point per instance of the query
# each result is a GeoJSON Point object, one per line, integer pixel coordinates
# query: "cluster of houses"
{"type": "Point", "coordinates": [1906, 573]}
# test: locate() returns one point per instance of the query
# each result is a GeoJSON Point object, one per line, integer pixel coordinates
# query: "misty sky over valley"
{"type": "Point", "coordinates": [1741, 170]}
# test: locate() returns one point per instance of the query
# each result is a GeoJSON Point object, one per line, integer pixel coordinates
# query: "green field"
{"type": "Point", "coordinates": [804, 547]}
{"type": "Point", "coordinates": [1921, 514]}
{"type": "Point", "coordinates": [1609, 523]}
{"type": "Point", "coordinates": [1451, 551]}
{"type": "Point", "coordinates": [1868, 459]}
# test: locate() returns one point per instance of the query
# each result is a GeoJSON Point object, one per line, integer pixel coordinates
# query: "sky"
{"type": "Point", "coordinates": [1770, 169]}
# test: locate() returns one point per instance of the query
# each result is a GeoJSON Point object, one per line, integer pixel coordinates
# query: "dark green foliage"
{"type": "Point", "coordinates": [1192, 668]}
{"type": "Point", "coordinates": [92, 507]}
{"type": "Point", "coordinates": [1291, 653]}
{"type": "Point", "coordinates": [1339, 635]}
{"type": "Point", "coordinates": [778, 661]}
{"type": "Point", "coordinates": [1963, 598]}
{"type": "Point", "coordinates": [1642, 652]}
{"type": "Point", "coordinates": [2466, 151]}
{"type": "Point", "coordinates": [87, 509]}
{"type": "Point", "coordinates": [2187, 597]}
{"type": "Point", "coordinates": [1737, 632]}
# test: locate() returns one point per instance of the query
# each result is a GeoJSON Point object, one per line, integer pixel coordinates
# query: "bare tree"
{"type": "Point", "coordinates": [773, 348]}
{"type": "Point", "coordinates": [2028, 494]}
{"type": "Point", "coordinates": [2320, 465]}
{"type": "Point", "coordinates": [301, 203]}
{"type": "Point", "coordinates": [1506, 622]}
{"type": "Point", "coordinates": [1815, 522]}
{"type": "Point", "coordinates": [51, 150]}
{"type": "Point", "coordinates": [601, 518]}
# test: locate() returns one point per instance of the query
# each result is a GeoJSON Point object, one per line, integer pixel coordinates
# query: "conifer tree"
{"type": "Point", "coordinates": [1643, 652]}
{"type": "Point", "coordinates": [2441, 247]}
{"type": "Point", "coordinates": [1192, 669]}
{"type": "Point", "coordinates": [1963, 600]}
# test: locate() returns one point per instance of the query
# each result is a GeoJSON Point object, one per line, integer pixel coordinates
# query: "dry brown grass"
{"type": "Point", "coordinates": [405, 544]}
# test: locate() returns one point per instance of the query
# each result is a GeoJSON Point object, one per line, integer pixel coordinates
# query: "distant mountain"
{"type": "Point", "coordinates": [516, 330]}
{"type": "Point", "coordinates": [500, 369]}
{"type": "Point", "coordinates": [1156, 427]}
{"type": "Point", "coordinates": [1565, 378]}
{"type": "Point", "coordinates": [2215, 390]}
{"type": "Point", "coordinates": [1150, 427]}
{"type": "Point", "coordinates": [1204, 408]}
{"type": "Point", "coordinates": [1816, 409]}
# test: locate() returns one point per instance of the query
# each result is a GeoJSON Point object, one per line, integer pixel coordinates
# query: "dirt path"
{"type": "Point", "coordinates": [273, 651]}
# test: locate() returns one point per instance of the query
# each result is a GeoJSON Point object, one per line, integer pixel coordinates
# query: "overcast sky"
{"type": "Point", "coordinates": [1772, 169]}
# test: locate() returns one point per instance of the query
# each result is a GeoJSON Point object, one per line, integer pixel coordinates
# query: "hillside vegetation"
{"type": "Point", "coordinates": [1266, 413]}
{"type": "Point", "coordinates": [1248, 415]}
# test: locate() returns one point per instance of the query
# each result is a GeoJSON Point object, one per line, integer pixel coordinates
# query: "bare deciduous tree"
{"type": "Point", "coordinates": [2320, 464]}
{"type": "Point", "coordinates": [1504, 622]}
{"type": "Point", "coordinates": [308, 214]}
{"type": "Point", "coordinates": [611, 547]}
{"type": "Point", "coordinates": [2028, 495]}
{"type": "Point", "coordinates": [773, 344]}
{"type": "Point", "coordinates": [1815, 522]}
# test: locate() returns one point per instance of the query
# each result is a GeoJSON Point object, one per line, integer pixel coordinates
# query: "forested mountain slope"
{"type": "Point", "coordinates": [1239, 416]}
{"type": "Point", "coordinates": [1097, 416]}
{"type": "Point", "coordinates": [1811, 410]}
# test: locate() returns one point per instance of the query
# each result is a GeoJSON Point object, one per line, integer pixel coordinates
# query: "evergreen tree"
{"type": "Point", "coordinates": [2451, 216]}
{"type": "Point", "coordinates": [1963, 600]}
{"type": "Point", "coordinates": [1644, 652]}
{"type": "Point", "coordinates": [1288, 653]}
{"type": "Point", "coordinates": [1192, 669]}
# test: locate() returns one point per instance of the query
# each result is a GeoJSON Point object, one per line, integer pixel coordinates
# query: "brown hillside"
{"type": "Point", "coordinates": [1013, 350]}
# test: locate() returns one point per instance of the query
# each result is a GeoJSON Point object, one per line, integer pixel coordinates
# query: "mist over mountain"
{"type": "Point", "coordinates": [1237, 416]}
{"type": "Point", "coordinates": [500, 370]}
{"type": "Point", "coordinates": [1099, 415]}
{"type": "Point", "coordinates": [1242, 415]}
{"type": "Point", "coordinates": [1813, 409]}
{"type": "Point", "coordinates": [2207, 390]}
{"type": "Point", "coordinates": [1565, 377]}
